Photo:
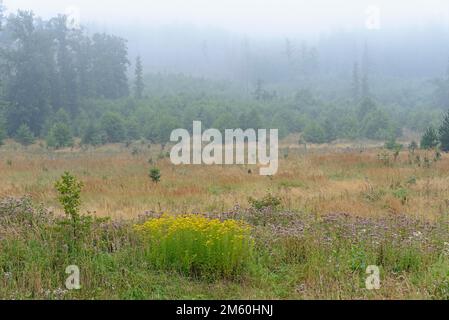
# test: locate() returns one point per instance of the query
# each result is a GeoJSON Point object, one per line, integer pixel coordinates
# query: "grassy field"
{"type": "Point", "coordinates": [341, 208]}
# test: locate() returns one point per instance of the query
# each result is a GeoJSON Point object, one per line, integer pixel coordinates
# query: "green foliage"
{"type": "Point", "coordinates": [59, 75]}
{"type": "Point", "coordinates": [2, 131]}
{"type": "Point", "coordinates": [155, 175]}
{"type": "Point", "coordinates": [93, 135]}
{"type": "Point", "coordinates": [401, 193]}
{"type": "Point", "coordinates": [133, 131]}
{"type": "Point", "coordinates": [392, 145]}
{"type": "Point", "coordinates": [113, 127]}
{"type": "Point", "coordinates": [229, 252]}
{"type": "Point", "coordinates": [139, 85]}
{"type": "Point", "coordinates": [78, 226]}
{"type": "Point", "coordinates": [109, 66]}
{"type": "Point", "coordinates": [412, 147]}
{"type": "Point", "coordinates": [267, 202]}
{"type": "Point", "coordinates": [51, 66]}
{"type": "Point", "coordinates": [444, 133]}
{"type": "Point", "coordinates": [60, 136]}
{"type": "Point", "coordinates": [197, 245]}
{"type": "Point", "coordinates": [314, 133]}
{"type": "Point", "coordinates": [377, 125]}
{"type": "Point", "coordinates": [24, 136]}
{"type": "Point", "coordinates": [429, 139]}
{"type": "Point", "coordinates": [69, 189]}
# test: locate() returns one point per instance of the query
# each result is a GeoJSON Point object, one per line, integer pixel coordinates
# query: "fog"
{"type": "Point", "coordinates": [272, 17]}
{"type": "Point", "coordinates": [238, 40]}
{"type": "Point", "coordinates": [338, 68]}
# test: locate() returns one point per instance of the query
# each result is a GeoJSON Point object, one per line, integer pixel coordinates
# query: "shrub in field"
{"type": "Point", "coordinates": [392, 145]}
{"type": "Point", "coordinates": [69, 189]}
{"type": "Point", "coordinates": [155, 175]}
{"type": "Point", "coordinates": [197, 245]}
{"type": "Point", "coordinates": [269, 201]}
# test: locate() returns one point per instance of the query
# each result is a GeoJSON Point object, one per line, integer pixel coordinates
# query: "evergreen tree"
{"type": "Point", "coordinates": [31, 66]}
{"type": "Point", "coordinates": [330, 133]}
{"type": "Point", "coordinates": [93, 135]}
{"type": "Point", "coordinates": [113, 127]}
{"type": "Point", "coordinates": [139, 84]}
{"type": "Point", "coordinates": [2, 9]}
{"type": "Point", "coordinates": [429, 139]}
{"type": "Point", "coordinates": [60, 136]}
{"type": "Point", "coordinates": [444, 133]}
{"type": "Point", "coordinates": [355, 83]}
{"type": "Point", "coordinates": [259, 91]}
{"type": "Point", "coordinates": [365, 76]}
{"type": "Point", "coordinates": [2, 131]}
{"type": "Point", "coordinates": [24, 136]}
{"type": "Point", "coordinates": [314, 133]}
{"type": "Point", "coordinates": [366, 107]}
{"type": "Point", "coordinates": [65, 91]}
{"type": "Point", "coordinates": [109, 66]}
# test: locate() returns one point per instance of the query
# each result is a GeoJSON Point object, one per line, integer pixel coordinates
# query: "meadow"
{"type": "Point", "coordinates": [329, 213]}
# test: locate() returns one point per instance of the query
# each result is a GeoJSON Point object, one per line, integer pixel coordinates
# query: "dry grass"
{"type": "Point", "coordinates": [337, 178]}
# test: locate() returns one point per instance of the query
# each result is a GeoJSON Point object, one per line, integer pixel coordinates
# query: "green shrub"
{"type": "Point", "coordinates": [269, 201]}
{"type": "Point", "coordinates": [69, 189]}
{"type": "Point", "coordinates": [392, 145]}
{"type": "Point", "coordinates": [314, 133]}
{"type": "Point", "coordinates": [155, 175]}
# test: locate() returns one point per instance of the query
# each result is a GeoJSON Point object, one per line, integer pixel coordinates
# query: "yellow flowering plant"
{"type": "Point", "coordinates": [197, 245]}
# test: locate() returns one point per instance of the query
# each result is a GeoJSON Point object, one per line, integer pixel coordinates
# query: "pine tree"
{"type": "Point", "coordinates": [24, 136]}
{"type": "Point", "coordinates": [429, 139]}
{"type": "Point", "coordinates": [289, 50]}
{"type": "Point", "coordinates": [365, 77]}
{"type": "Point", "coordinates": [139, 85]}
{"type": "Point", "coordinates": [355, 82]}
{"type": "Point", "coordinates": [444, 133]}
{"type": "Point", "coordinates": [2, 131]}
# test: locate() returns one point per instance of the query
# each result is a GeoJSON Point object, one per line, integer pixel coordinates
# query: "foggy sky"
{"type": "Point", "coordinates": [274, 17]}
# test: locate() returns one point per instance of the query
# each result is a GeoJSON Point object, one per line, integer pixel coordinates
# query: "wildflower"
{"type": "Point", "coordinates": [194, 242]}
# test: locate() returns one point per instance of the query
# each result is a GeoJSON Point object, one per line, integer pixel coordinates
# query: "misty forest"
{"type": "Point", "coordinates": [58, 83]}
{"type": "Point", "coordinates": [93, 206]}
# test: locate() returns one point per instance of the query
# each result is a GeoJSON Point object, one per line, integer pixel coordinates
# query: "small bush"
{"type": "Point", "coordinates": [155, 175]}
{"type": "Point", "coordinates": [69, 189]}
{"type": "Point", "coordinates": [269, 201]}
{"type": "Point", "coordinates": [197, 245]}
{"type": "Point", "coordinates": [392, 145]}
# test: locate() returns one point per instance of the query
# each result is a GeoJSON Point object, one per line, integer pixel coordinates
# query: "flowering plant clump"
{"type": "Point", "coordinates": [195, 244]}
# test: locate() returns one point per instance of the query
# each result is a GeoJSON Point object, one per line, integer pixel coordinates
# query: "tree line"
{"type": "Point", "coordinates": [48, 69]}
{"type": "Point", "coordinates": [60, 83]}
